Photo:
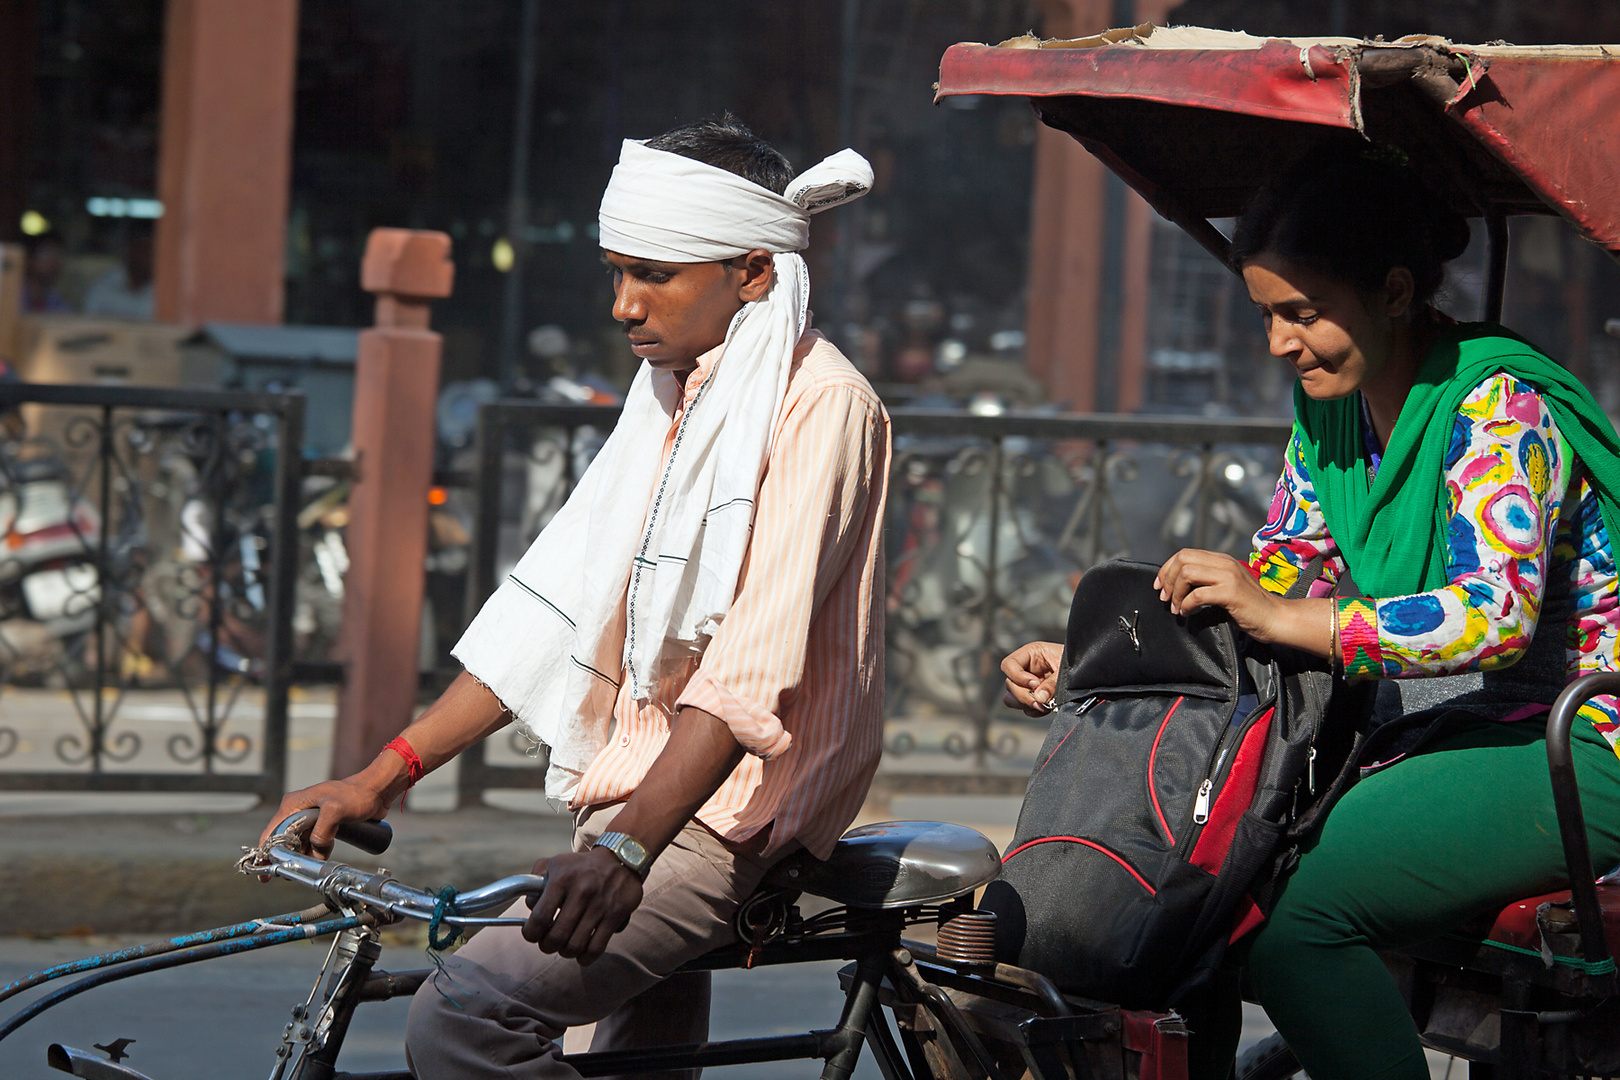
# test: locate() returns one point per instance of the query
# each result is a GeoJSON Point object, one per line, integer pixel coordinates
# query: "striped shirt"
{"type": "Point", "coordinates": [796, 669]}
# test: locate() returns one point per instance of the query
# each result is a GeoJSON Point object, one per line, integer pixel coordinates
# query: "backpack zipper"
{"type": "Point", "coordinates": [1201, 807]}
{"type": "Point", "coordinates": [1220, 765]}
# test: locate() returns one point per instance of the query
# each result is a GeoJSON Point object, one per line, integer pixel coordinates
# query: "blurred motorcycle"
{"type": "Point", "coordinates": [49, 587]}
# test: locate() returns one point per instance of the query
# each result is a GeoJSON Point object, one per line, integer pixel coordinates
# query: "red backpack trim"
{"type": "Point", "coordinates": [1129, 869]}
{"type": "Point", "coordinates": [1153, 756]}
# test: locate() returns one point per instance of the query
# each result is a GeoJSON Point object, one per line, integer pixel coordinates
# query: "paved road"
{"type": "Point", "coordinates": [223, 1018]}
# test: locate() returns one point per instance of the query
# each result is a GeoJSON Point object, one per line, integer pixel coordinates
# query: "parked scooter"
{"type": "Point", "coordinates": [49, 586]}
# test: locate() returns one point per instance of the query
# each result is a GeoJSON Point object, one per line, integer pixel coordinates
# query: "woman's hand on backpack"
{"type": "Point", "coordinates": [1192, 579]}
{"type": "Point", "coordinates": [1032, 672]}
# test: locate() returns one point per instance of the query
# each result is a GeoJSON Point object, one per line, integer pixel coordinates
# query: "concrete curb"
{"type": "Point", "coordinates": [168, 873]}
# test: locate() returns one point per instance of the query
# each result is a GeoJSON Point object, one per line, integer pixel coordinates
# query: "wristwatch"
{"type": "Point", "coordinates": [627, 850]}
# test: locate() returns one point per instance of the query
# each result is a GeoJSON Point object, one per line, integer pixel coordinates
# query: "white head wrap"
{"type": "Point", "coordinates": [638, 569]}
{"type": "Point", "coordinates": [671, 208]}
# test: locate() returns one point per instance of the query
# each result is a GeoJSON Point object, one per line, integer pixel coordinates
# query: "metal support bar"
{"type": "Point", "coordinates": [1571, 820]}
{"type": "Point", "coordinates": [176, 959]}
{"type": "Point", "coordinates": [473, 777]}
{"type": "Point", "coordinates": [1496, 273]}
{"type": "Point", "coordinates": [350, 992]}
{"type": "Point", "coordinates": [891, 1063]}
{"type": "Point", "coordinates": [940, 1006]}
{"type": "Point", "coordinates": [859, 1004]}
{"type": "Point", "coordinates": [283, 585]}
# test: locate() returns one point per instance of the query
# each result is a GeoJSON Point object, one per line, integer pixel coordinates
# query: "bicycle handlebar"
{"type": "Point", "coordinates": [371, 837]}
{"type": "Point", "coordinates": [351, 888]}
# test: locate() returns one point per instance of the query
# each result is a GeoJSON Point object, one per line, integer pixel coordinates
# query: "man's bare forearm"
{"type": "Point", "coordinates": [464, 714]}
{"type": "Point", "coordinates": [700, 754]}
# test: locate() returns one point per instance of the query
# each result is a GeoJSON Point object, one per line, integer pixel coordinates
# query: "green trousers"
{"type": "Point", "coordinates": [1411, 852]}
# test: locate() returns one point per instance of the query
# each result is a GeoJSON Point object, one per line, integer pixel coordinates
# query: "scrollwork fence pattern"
{"type": "Point", "coordinates": [148, 542]}
{"type": "Point", "coordinates": [991, 521]}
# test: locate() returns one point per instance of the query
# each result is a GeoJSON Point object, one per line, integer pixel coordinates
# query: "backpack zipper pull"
{"type": "Point", "coordinates": [1201, 807]}
{"type": "Point", "coordinates": [1310, 771]}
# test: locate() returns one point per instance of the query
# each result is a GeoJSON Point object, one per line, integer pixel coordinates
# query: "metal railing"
{"type": "Point", "coordinates": [991, 521]}
{"type": "Point", "coordinates": [148, 542]}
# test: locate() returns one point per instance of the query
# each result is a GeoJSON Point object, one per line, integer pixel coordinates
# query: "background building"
{"type": "Point", "coordinates": [199, 160]}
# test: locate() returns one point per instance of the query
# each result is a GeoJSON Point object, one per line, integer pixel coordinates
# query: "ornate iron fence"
{"type": "Point", "coordinates": [991, 521]}
{"type": "Point", "coordinates": [148, 542]}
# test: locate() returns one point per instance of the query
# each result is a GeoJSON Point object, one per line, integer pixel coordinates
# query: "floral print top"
{"type": "Point", "coordinates": [1526, 542]}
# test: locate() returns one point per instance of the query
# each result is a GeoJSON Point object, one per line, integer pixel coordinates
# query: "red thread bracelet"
{"type": "Point", "coordinates": [414, 770]}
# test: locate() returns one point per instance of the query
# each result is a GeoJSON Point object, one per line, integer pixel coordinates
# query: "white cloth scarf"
{"type": "Point", "coordinates": [637, 570]}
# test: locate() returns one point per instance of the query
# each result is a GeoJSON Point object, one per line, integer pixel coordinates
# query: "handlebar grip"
{"type": "Point", "coordinates": [371, 837]}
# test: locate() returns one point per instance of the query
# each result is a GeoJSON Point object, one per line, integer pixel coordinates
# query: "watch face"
{"type": "Point", "coordinates": [627, 849]}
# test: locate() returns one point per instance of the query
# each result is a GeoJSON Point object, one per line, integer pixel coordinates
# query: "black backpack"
{"type": "Point", "coordinates": [1180, 755]}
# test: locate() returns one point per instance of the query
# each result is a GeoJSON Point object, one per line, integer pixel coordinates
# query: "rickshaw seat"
{"type": "Point", "coordinates": [893, 864]}
{"type": "Point", "coordinates": [1517, 924]}
{"type": "Point", "coordinates": [1512, 943]}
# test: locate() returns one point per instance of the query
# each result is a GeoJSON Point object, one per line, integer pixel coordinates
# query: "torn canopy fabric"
{"type": "Point", "coordinates": [1196, 119]}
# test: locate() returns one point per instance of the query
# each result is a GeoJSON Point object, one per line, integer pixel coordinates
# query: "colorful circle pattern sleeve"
{"type": "Point", "coordinates": [1516, 553]}
{"type": "Point", "coordinates": [1295, 532]}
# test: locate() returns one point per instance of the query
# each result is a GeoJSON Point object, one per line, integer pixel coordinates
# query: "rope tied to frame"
{"type": "Point", "coordinates": [444, 903]}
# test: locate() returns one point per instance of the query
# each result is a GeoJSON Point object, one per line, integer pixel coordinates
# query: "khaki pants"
{"type": "Point", "coordinates": [500, 1007]}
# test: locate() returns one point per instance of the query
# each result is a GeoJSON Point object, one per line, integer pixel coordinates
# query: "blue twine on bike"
{"type": "Point", "coordinates": [444, 903]}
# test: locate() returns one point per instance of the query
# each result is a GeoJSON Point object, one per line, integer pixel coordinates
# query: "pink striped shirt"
{"type": "Point", "coordinates": [796, 669]}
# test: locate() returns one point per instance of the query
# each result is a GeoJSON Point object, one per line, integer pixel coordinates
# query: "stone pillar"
{"type": "Point", "coordinates": [1065, 243]}
{"type": "Point", "coordinates": [1065, 270]}
{"type": "Point", "coordinates": [1136, 289]}
{"type": "Point", "coordinates": [396, 383]}
{"type": "Point", "coordinates": [224, 159]}
{"type": "Point", "coordinates": [1066, 261]}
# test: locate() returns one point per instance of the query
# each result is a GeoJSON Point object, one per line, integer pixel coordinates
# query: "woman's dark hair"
{"type": "Point", "coordinates": [726, 143]}
{"type": "Point", "coordinates": [1353, 217]}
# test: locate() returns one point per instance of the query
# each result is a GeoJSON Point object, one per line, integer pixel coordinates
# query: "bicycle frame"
{"type": "Point", "coordinates": [924, 1016]}
{"type": "Point", "coordinates": [950, 1022]}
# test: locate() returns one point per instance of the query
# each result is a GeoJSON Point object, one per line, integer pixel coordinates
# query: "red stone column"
{"type": "Point", "coordinates": [396, 382]}
{"type": "Point", "coordinates": [1136, 289]}
{"type": "Point", "coordinates": [1066, 245]}
{"type": "Point", "coordinates": [224, 159]}
{"type": "Point", "coordinates": [1066, 237]}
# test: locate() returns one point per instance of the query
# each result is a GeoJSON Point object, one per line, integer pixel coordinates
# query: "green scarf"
{"type": "Point", "coordinates": [1392, 530]}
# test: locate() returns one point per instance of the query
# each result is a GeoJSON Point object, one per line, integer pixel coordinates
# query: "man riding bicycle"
{"type": "Point", "coordinates": [697, 636]}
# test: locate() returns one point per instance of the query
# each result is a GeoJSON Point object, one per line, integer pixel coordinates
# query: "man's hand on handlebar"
{"type": "Point", "coordinates": [589, 897]}
{"type": "Point", "coordinates": [1032, 672]}
{"type": "Point", "coordinates": [465, 713]}
{"type": "Point", "coordinates": [352, 799]}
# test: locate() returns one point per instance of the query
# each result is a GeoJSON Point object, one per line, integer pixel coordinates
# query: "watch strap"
{"type": "Point", "coordinates": [628, 851]}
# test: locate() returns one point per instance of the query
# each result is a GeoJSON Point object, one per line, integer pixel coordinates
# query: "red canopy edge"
{"type": "Point", "coordinates": [1274, 81]}
{"type": "Point", "coordinates": [1556, 123]}
{"type": "Point", "coordinates": [1552, 120]}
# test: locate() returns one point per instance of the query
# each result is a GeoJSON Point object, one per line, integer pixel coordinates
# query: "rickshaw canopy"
{"type": "Point", "coordinates": [1196, 120]}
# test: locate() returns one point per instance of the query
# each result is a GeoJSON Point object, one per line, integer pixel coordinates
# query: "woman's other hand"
{"type": "Point", "coordinates": [1032, 672]}
{"type": "Point", "coordinates": [1192, 579]}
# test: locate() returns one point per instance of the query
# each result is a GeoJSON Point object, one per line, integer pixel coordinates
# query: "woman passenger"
{"type": "Point", "coordinates": [1460, 491]}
